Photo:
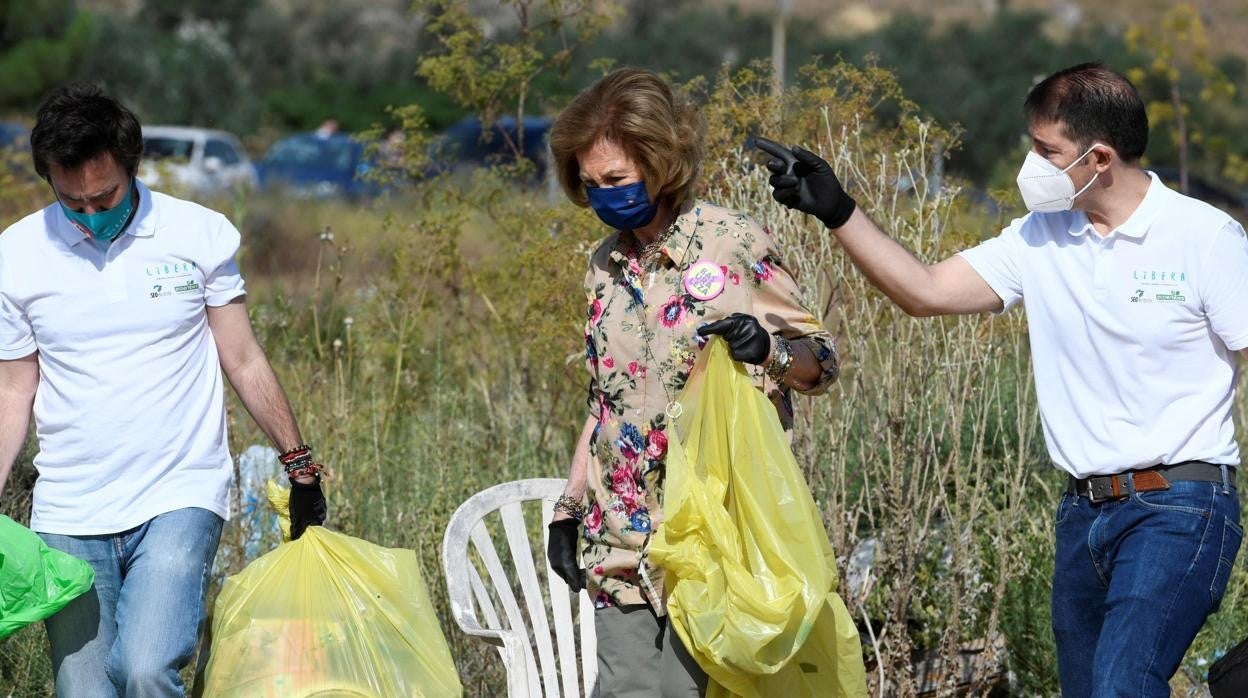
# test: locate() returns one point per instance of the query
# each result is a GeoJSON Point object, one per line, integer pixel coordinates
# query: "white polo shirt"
{"type": "Point", "coordinates": [130, 408]}
{"type": "Point", "coordinates": [1132, 334]}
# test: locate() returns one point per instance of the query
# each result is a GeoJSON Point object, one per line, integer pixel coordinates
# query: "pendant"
{"type": "Point", "coordinates": [674, 410]}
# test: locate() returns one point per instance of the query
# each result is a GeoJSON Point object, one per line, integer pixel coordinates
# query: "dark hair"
{"type": "Point", "coordinates": [1092, 103]}
{"type": "Point", "coordinates": [77, 122]}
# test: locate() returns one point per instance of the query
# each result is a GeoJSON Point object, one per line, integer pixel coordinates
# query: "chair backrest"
{"type": "Point", "coordinates": [524, 639]}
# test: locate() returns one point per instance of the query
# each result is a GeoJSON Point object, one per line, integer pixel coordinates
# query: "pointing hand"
{"type": "Point", "coordinates": [805, 182]}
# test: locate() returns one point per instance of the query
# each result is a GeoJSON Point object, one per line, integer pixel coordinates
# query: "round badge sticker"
{"type": "Point", "coordinates": [704, 280]}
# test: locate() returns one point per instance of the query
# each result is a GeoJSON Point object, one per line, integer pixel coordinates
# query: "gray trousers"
{"type": "Point", "coordinates": [639, 658]}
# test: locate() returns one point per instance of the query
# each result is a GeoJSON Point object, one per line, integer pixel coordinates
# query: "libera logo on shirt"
{"type": "Point", "coordinates": [1159, 275]}
{"type": "Point", "coordinates": [169, 269]}
{"type": "Point", "coordinates": [177, 274]}
{"type": "Point", "coordinates": [1170, 282]}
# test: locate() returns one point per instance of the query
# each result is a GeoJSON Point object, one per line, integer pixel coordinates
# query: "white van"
{"type": "Point", "coordinates": [196, 161]}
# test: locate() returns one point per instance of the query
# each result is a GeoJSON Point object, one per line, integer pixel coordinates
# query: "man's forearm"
{"type": "Point", "coordinates": [19, 379]}
{"type": "Point", "coordinates": [262, 395]}
{"type": "Point", "coordinates": [14, 421]}
{"type": "Point", "coordinates": [888, 265]}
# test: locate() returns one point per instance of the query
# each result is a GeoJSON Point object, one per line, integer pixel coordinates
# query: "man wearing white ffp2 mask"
{"type": "Point", "coordinates": [1046, 187]}
{"type": "Point", "coordinates": [1134, 297]}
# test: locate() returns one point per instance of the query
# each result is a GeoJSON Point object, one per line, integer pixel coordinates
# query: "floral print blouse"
{"type": "Point", "coordinates": [641, 342]}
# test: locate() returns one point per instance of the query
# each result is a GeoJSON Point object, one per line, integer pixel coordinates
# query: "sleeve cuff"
{"type": "Point", "coordinates": [220, 298]}
{"type": "Point", "coordinates": [1008, 298]}
{"type": "Point", "coordinates": [829, 365]}
{"type": "Point", "coordinates": [1239, 343]}
{"type": "Point", "coordinates": [19, 352]}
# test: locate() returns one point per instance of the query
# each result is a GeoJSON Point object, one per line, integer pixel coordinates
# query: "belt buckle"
{"type": "Point", "coordinates": [1092, 499]}
{"type": "Point", "coordinates": [1111, 491]}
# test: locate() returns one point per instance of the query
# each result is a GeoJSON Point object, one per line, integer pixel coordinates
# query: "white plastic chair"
{"type": "Point", "coordinates": [519, 636]}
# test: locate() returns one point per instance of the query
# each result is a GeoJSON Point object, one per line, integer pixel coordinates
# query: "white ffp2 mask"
{"type": "Point", "coordinates": [1046, 187]}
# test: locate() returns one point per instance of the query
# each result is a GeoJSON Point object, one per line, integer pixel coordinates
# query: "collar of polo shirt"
{"type": "Point", "coordinates": [1141, 219]}
{"type": "Point", "coordinates": [143, 223]}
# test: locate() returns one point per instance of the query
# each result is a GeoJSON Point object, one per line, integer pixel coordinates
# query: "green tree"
{"type": "Point", "coordinates": [171, 15]}
{"type": "Point", "coordinates": [1179, 73]}
{"type": "Point", "coordinates": [488, 64]}
{"type": "Point", "coordinates": [976, 76]}
{"type": "Point", "coordinates": [244, 64]}
{"type": "Point", "coordinates": [348, 59]}
{"type": "Point", "coordinates": [192, 76]}
{"type": "Point", "coordinates": [41, 43]}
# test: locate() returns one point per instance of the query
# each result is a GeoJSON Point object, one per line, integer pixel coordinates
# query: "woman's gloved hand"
{"type": "Point", "coordinates": [561, 552]}
{"type": "Point", "coordinates": [307, 506]}
{"type": "Point", "coordinates": [747, 341]}
{"type": "Point", "coordinates": [805, 182]}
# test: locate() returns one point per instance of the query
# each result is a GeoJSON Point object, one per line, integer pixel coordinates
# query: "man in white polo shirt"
{"type": "Point", "coordinates": [1135, 300]}
{"type": "Point", "coordinates": [119, 309]}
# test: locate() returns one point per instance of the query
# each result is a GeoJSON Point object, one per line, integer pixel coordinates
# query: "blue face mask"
{"type": "Point", "coordinates": [103, 225]}
{"type": "Point", "coordinates": [624, 208]}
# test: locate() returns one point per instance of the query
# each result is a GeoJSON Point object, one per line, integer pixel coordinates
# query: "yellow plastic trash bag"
{"type": "Point", "coordinates": [328, 614]}
{"type": "Point", "coordinates": [35, 581]}
{"type": "Point", "coordinates": [750, 574]}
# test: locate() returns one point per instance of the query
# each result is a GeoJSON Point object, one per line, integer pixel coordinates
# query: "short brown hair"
{"type": "Point", "coordinates": [1092, 103]}
{"type": "Point", "coordinates": [638, 111]}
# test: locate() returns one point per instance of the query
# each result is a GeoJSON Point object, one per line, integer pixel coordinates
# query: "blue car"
{"type": "Point", "coordinates": [15, 136]}
{"type": "Point", "coordinates": [463, 144]}
{"type": "Point", "coordinates": [320, 167]}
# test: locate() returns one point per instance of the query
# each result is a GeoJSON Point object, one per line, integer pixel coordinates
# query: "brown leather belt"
{"type": "Point", "coordinates": [1100, 488]}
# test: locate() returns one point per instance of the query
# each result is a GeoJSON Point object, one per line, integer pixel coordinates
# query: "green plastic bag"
{"type": "Point", "coordinates": [35, 580]}
{"type": "Point", "coordinates": [751, 577]}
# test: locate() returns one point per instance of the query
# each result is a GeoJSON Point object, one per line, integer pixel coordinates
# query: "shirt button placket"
{"type": "Point", "coordinates": [1103, 267]}
{"type": "Point", "coordinates": [115, 273]}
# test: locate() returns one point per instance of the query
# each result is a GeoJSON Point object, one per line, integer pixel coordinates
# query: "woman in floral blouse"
{"type": "Point", "coordinates": [674, 271]}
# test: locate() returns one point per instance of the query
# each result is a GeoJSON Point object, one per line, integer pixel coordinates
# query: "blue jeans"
{"type": "Point", "coordinates": [132, 632]}
{"type": "Point", "coordinates": [1133, 582]}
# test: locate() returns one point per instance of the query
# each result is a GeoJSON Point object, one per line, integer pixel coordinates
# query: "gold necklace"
{"type": "Point", "coordinates": [648, 255]}
{"type": "Point", "coordinates": [673, 409]}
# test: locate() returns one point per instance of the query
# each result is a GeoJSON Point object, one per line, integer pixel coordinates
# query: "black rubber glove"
{"type": "Point", "coordinates": [803, 181]}
{"type": "Point", "coordinates": [561, 552]}
{"type": "Point", "coordinates": [747, 340]}
{"type": "Point", "coordinates": [307, 507]}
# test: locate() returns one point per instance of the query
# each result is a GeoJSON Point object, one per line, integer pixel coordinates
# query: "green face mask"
{"type": "Point", "coordinates": [103, 225]}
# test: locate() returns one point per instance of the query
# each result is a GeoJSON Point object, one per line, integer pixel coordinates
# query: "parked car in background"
{"type": "Point", "coordinates": [318, 166]}
{"type": "Point", "coordinates": [15, 160]}
{"type": "Point", "coordinates": [199, 160]}
{"type": "Point", "coordinates": [14, 136]}
{"type": "Point", "coordinates": [467, 144]}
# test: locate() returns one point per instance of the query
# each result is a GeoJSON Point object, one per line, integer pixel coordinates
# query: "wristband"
{"type": "Point", "coordinates": [298, 462]}
{"type": "Point", "coordinates": [571, 507]}
{"type": "Point", "coordinates": [308, 469]}
{"type": "Point", "coordinates": [781, 361]}
{"type": "Point", "coordinates": [295, 454]}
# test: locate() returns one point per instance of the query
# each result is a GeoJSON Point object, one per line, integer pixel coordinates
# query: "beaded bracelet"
{"type": "Point", "coordinates": [298, 462]}
{"type": "Point", "coordinates": [571, 507]}
{"type": "Point", "coordinates": [309, 470]}
{"type": "Point", "coordinates": [295, 453]}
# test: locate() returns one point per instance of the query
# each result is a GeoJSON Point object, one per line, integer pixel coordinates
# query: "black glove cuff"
{"type": "Point", "coordinates": [844, 209]}
{"type": "Point", "coordinates": [295, 484]}
{"type": "Point", "coordinates": [564, 523]}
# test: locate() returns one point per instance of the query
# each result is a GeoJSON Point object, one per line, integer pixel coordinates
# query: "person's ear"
{"type": "Point", "coordinates": [1102, 156]}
